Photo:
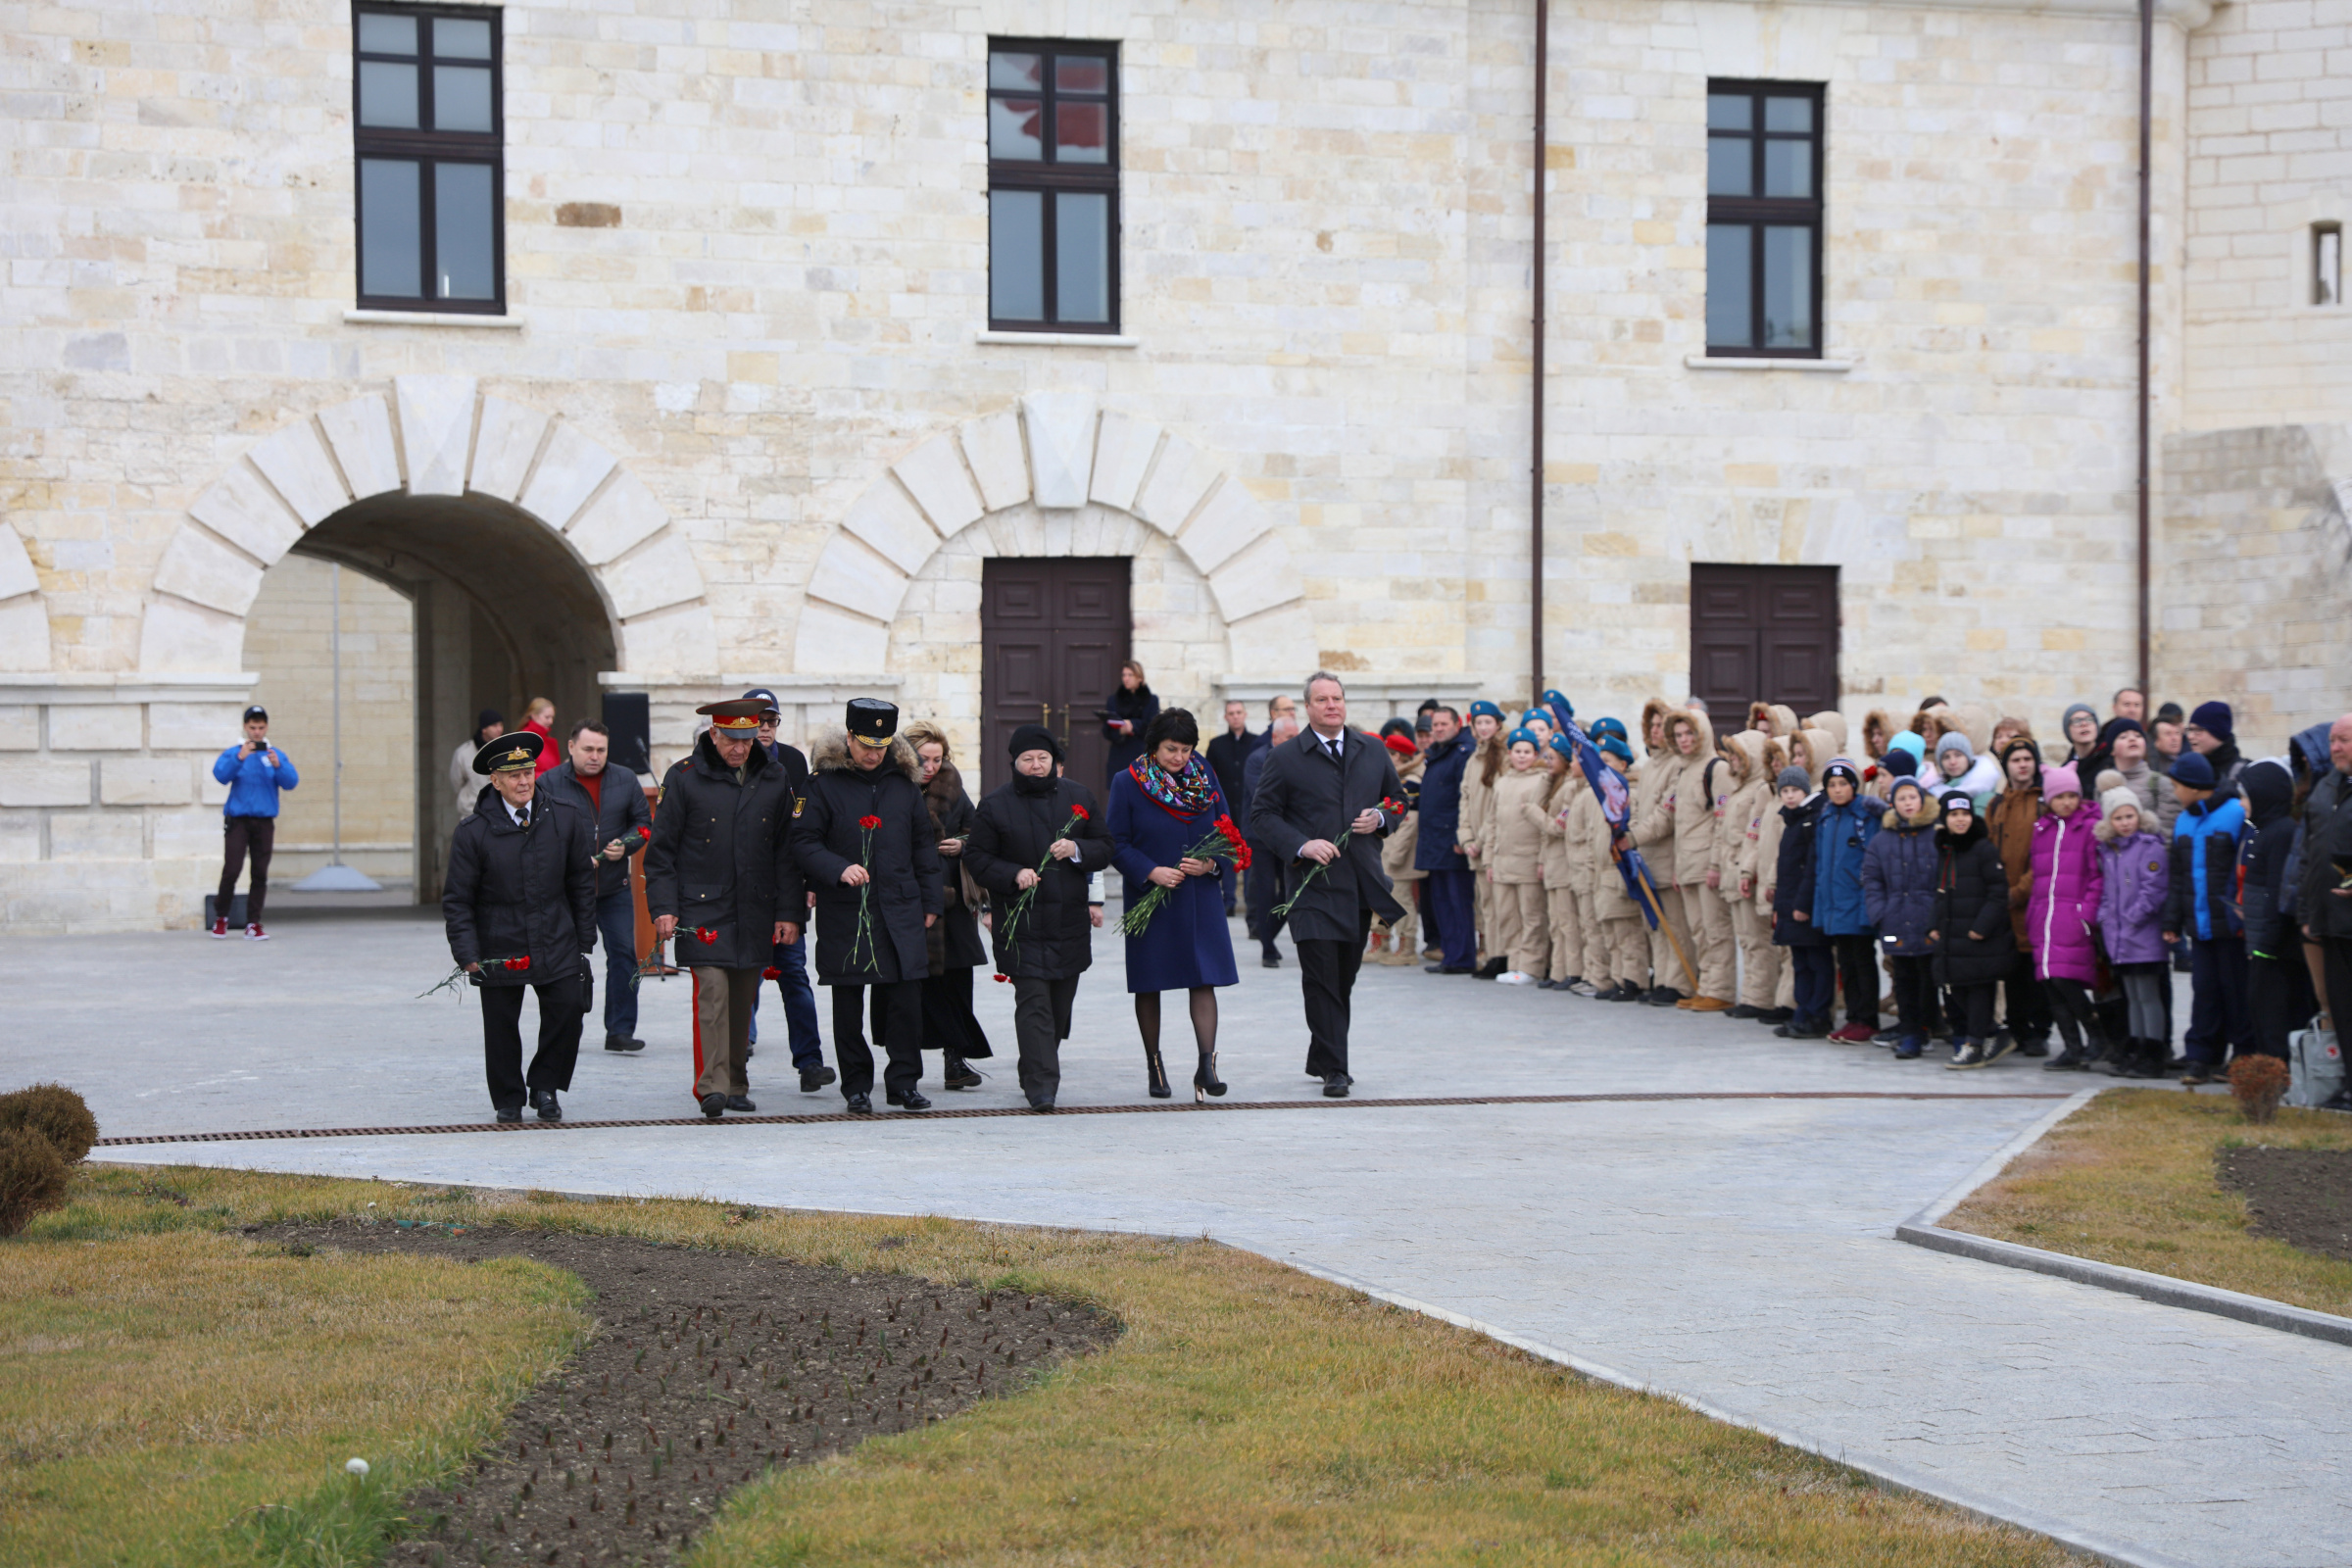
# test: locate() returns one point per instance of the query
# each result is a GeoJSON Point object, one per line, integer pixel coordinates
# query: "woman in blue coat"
{"type": "Point", "coordinates": [1166, 802]}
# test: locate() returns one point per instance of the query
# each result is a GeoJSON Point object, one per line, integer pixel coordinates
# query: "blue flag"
{"type": "Point", "coordinates": [1616, 805]}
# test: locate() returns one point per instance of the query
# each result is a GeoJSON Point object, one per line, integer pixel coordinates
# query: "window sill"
{"type": "Point", "coordinates": [1726, 361]}
{"type": "Point", "coordinates": [1061, 340]}
{"type": "Point", "coordinates": [509, 323]}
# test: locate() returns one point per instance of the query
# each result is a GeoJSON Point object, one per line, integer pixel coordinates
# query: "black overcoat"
{"type": "Point", "coordinates": [1304, 793]}
{"type": "Point", "coordinates": [1010, 834]}
{"type": "Point", "coordinates": [720, 861]}
{"type": "Point", "coordinates": [515, 893]}
{"type": "Point", "coordinates": [953, 943]}
{"type": "Point", "coordinates": [620, 810]}
{"type": "Point", "coordinates": [902, 859]}
{"type": "Point", "coordinates": [1971, 894]}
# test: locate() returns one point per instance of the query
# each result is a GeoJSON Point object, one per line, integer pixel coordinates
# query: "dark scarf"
{"type": "Point", "coordinates": [1131, 705]}
{"type": "Point", "coordinates": [1026, 784]}
{"type": "Point", "coordinates": [1188, 793]}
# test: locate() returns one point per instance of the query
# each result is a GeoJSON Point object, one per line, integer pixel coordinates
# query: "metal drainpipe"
{"type": "Point", "coordinates": [2147, 59]}
{"type": "Point", "coordinates": [1536, 403]}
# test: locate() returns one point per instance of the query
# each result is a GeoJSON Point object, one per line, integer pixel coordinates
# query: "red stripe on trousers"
{"type": "Point", "coordinates": [692, 1087]}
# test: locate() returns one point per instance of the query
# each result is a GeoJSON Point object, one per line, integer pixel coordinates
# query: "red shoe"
{"type": "Point", "coordinates": [220, 927]}
{"type": "Point", "coordinates": [1854, 1034]}
{"type": "Point", "coordinates": [255, 933]}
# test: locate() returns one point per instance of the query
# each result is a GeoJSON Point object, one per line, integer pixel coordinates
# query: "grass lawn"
{"type": "Point", "coordinates": [2130, 1179]}
{"type": "Point", "coordinates": [163, 1373]}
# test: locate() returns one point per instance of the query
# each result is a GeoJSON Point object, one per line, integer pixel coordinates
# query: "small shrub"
{"type": "Point", "coordinates": [2259, 1083]}
{"type": "Point", "coordinates": [34, 1177]}
{"type": "Point", "coordinates": [57, 1114]}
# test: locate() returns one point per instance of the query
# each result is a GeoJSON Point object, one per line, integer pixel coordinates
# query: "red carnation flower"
{"type": "Point", "coordinates": [771, 973]}
{"type": "Point", "coordinates": [1080, 813]}
{"type": "Point", "coordinates": [703, 932]}
{"type": "Point", "coordinates": [1001, 979]}
{"type": "Point", "coordinates": [870, 823]}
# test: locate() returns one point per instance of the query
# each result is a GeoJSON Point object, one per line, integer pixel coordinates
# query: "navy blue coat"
{"type": "Point", "coordinates": [1899, 886]}
{"type": "Point", "coordinates": [1841, 835]}
{"type": "Point", "coordinates": [1792, 878]}
{"type": "Point", "coordinates": [1442, 807]}
{"type": "Point", "coordinates": [1188, 942]}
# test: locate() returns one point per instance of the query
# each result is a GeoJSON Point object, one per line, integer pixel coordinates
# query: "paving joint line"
{"type": "Point", "coordinates": [902, 1118]}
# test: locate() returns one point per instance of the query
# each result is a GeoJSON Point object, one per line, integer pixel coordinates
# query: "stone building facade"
{"type": "Point", "coordinates": [740, 415]}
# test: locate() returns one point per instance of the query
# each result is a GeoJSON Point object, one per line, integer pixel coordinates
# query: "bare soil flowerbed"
{"type": "Point", "coordinates": [2303, 1197]}
{"type": "Point", "coordinates": [704, 1370]}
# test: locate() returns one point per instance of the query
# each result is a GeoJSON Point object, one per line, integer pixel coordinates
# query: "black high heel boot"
{"type": "Point", "coordinates": [1159, 1074]}
{"type": "Point", "coordinates": [1204, 1078]}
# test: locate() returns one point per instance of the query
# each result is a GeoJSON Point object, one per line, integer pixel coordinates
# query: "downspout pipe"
{"type": "Point", "coordinates": [1535, 508]}
{"type": "Point", "coordinates": [2147, 99]}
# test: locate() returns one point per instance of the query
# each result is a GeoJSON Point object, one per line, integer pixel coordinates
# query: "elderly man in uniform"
{"type": "Point", "coordinates": [1325, 800]}
{"type": "Point", "coordinates": [520, 906]}
{"type": "Point", "coordinates": [718, 876]}
{"type": "Point", "coordinates": [865, 848]}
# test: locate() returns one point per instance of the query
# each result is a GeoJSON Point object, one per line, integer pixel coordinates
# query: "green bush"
{"type": "Point", "coordinates": [33, 1177]}
{"type": "Point", "coordinates": [57, 1114]}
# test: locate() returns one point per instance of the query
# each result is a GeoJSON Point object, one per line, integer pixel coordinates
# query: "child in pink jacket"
{"type": "Point", "coordinates": [2061, 910]}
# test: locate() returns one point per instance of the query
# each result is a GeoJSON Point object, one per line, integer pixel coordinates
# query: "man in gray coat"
{"type": "Point", "coordinates": [1324, 801]}
{"type": "Point", "coordinates": [613, 802]}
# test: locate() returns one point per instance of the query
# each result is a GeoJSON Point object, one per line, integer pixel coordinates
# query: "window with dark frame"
{"type": "Point", "coordinates": [1052, 186]}
{"type": "Point", "coordinates": [426, 111]}
{"type": "Point", "coordinates": [1764, 168]}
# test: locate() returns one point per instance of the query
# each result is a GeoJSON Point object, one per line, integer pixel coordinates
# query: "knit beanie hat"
{"type": "Point", "coordinates": [1033, 738]}
{"type": "Point", "coordinates": [1902, 784]}
{"type": "Point", "coordinates": [1794, 779]}
{"type": "Point", "coordinates": [2066, 719]}
{"type": "Point", "coordinates": [2061, 781]}
{"type": "Point", "coordinates": [2214, 718]}
{"type": "Point", "coordinates": [1952, 740]}
{"type": "Point", "coordinates": [1899, 764]}
{"type": "Point", "coordinates": [2119, 797]}
{"type": "Point", "coordinates": [1910, 742]}
{"type": "Point", "coordinates": [1841, 768]}
{"type": "Point", "coordinates": [2192, 769]}
{"type": "Point", "coordinates": [1957, 800]}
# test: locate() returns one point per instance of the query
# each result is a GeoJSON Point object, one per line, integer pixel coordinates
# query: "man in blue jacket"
{"type": "Point", "coordinates": [1436, 850]}
{"type": "Point", "coordinates": [255, 772]}
{"type": "Point", "coordinates": [2202, 904]}
{"type": "Point", "coordinates": [1844, 826]}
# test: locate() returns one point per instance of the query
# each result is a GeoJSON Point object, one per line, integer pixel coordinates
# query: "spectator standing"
{"type": "Point", "coordinates": [2212, 733]}
{"type": "Point", "coordinates": [2081, 727]}
{"type": "Point", "coordinates": [611, 802]}
{"type": "Point", "coordinates": [1698, 796]}
{"type": "Point", "coordinates": [1563, 896]}
{"type": "Point", "coordinates": [2135, 879]}
{"type": "Point", "coordinates": [2129, 702]}
{"type": "Point", "coordinates": [1835, 904]}
{"type": "Point", "coordinates": [2325, 915]}
{"type": "Point", "coordinates": [1266, 884]}
{"type": "Point", "coordinates": [1814, 983]}
{"type": "Point", "coordinates": [1396, 850]}
{"type": "Point", "coordinates": [2025, 1006]}
{"type": "Point", "coordinates": [1440, 853]}
{"type": "Point", "coordinates": [256, 774]}
{"type": "Point", "coordinates": [1511, 848]}
{"type": "Point", "coordinates": [1227, 752]}
{"type": "Point", "coordinates": [539, 717]}
{"type": "Point", "coordinates": [1478, 788]}
{"type": "Point", "coordinates": [790, 961]}
{"type": "Point", "coordinates": [464, 785]}
{"type": "Point", "coordinates": [1654, 829]}
{"type": "Point", "coordinates": [1128, 712]}
{"type": "Point", "coordinates": [1973, 938]}
{"type": "Point", "coordinates": [1898, 892]}
{"type": "Point", "coordinates": [2063, 907]}
{"type": "Point", "coordinates": [2279, 990]}
{"type": "Point", "coordinates": [2126, 745]}
{"type": "Point", "coordinates": [2200, 907]}
{"type": "Point", "coordinates": [2164, 741]}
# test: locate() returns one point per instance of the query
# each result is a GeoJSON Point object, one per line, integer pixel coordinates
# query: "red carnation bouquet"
{"type": "Point", "coordinates": [865, 939]}
{"type": "Point", "coordinates": [459, 976]}
{"type": "Point", "coordinates": [1387, 808]}
{"type": "Point", "coordinates": [1224, 842]}
{"type": "Point", "coordinates": [1020, 906]}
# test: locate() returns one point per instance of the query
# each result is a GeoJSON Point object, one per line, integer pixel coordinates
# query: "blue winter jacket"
{"type": "Point", "coordinates": [2204, 870]}
{"type": "Point", "coordinates": [1842, 836]}
{"type": "Point", "coordinates": [253, 784]}
{"type": "Point", "coordinates": [1899, 884]}
{"type": "Point", "coordinates": [1442, 807]}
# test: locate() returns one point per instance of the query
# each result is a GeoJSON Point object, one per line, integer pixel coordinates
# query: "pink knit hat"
{"type": "Point", "coordinates": [2060, 780]}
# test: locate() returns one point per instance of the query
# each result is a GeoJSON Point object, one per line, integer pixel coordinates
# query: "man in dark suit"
{"type": "Point", "coordinates": [620, 825]}
{"type": "Point", "coordinates": [1226, 754]}
{"type": "Point", "coordinates": [1326, 798]}
{"type": "Point", "coordinates": [790, 961]}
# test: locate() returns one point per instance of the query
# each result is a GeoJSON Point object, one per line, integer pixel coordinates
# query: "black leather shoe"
{"type": "Point", "coordinates": [962, 1074]}
{"type": "Point", "coordinates": [542, 1100]}
{"type": "Point", "coordinates": [1744, 1009]}
{"type": "Point", "coordinates": [1040, 1104]}
{"type": "Point", "coordinates": [1335, 1087]}
{"type": "Point", "coordinates": [712, 1105]}
{"type": "Point", "coordinates": [510, 1113]}
{"type": "Point", "coordinates": [814, 1078]}
{"type": "Point", "coordinates": [859, 1105]}
{"type": "Point", "coordinates": [1269, 960]}
{"type": "Point", "coordinates": [1663, 997]}
{"type": "Point", "coordinates": [912, 1099]}
{"type": "Point", "coordinates": [624, 1043]}
{"type": "Point", "coordinates": [740, 1103]}
{"type": "Point", "coordinates": [1774, 1018]}
{"type": "Point", "coordinates": [1492, 969]}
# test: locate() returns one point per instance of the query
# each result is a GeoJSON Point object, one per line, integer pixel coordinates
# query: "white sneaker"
{"type": "Point", "coordinates": [1515, 977]}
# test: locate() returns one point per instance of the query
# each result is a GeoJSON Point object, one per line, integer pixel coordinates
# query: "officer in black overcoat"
{"type": "Point", "coordinates": [519, 906]}
{"type": "Point", "coordinates": [865, 848]}
{"type": "Point", "coordinates": [718, 875]}
{"type": "Point", "coordinates": [1327, 798]}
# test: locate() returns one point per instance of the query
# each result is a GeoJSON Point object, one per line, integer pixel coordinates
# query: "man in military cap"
{"type": "Point", "coordinates": [719, 877]}
{"type": "Point", "coordinates": [865, 848]}
{"type": "Point", "coordinates": [519, 906]}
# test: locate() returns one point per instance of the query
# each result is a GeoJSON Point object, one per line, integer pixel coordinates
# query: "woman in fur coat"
{"type": "Point", "coordinates": [956, 950]}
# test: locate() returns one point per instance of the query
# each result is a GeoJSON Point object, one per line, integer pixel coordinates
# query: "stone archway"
{"type": "Point", "coordinates": [1059, 456]}
{"type": "Point", "coordinates": [432, 436]}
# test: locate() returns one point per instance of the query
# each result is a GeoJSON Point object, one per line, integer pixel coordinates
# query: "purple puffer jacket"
{"type": "Point", "coordinates": [2066, 896]}
{"type": "Point", "coordinates": [2134, 874]}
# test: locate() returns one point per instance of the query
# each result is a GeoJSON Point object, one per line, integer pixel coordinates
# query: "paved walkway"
{"type": "Point", "coordinates": [1733, 1252]}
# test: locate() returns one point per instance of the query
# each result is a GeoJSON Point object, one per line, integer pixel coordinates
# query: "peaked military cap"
{"type": "Point", "coordinates": [872, 720]}
{"type": "Point", "coordinates": [737, 717]}
{"type": "Point", "coordinates": [509, 753]}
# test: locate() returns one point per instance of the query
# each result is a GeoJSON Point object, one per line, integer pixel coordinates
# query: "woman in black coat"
{"type": "Point", "coordinates": [1131, 709]}
{"type": "Point", "coordinates": [1021, 826]}
{"type": "Point", "coordinates": [1974, 948]}
{"type": "Point", "coordinates": [948, 1024]}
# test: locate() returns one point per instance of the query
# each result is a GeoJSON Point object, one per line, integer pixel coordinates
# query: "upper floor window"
{"type": "Point", "coordinates": [426, 108]}
{"type": "Point", "coordinates": [1764, 218]}
{"type": "Point", "coordinates": [1052, 186]}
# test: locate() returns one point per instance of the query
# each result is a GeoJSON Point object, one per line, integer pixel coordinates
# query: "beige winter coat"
{"type": "Point", "coordinates": [1477, 792]}
{"type": "Point", "coordinates": [1513, 840]}
{"type": "Point", "coordinates": [1590, 828]}
{"type": "Point", "coordinates": [1694, 799]}
{"type": "Point", "coordinates": [1654, 778]}
{"type": "Point", "coordinates": [1739, 797]}
{"type": "Point", "coordinates": [1558, 870]}
{"type": "Point", "coordinates": [1829, 718]}
{"type": "Point", "coordinates": [1396, 850]}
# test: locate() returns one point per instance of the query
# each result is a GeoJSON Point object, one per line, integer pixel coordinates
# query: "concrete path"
{"type": "Point", "coordinates": [1733, 1252]}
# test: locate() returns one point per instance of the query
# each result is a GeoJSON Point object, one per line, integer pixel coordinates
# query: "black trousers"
{"type": "Point", "coordinates": [1858, 972]}
{"type": "Point", "coordinates": [1263, 885]}
{"type": "Point", "coordinates": [2077, 1020]}
{"type": "Point", "coordinates": [950, 1025]}
{"type": "Point", "coordinates": [1327, 974]}
{"type": "Point", "coordinates": [2028, 1010]}
{"type": "Point", "coordinates": [897, 1015]}
{"type": "Point", "coordinates": [1971, 1011]}
{"type": "Point", "coordinates": [1913, 994]}
{"type": "Point", "coordinates": [1040, 1022]}
{"type": "Point", "coordinates": [240, 836]}
{"type": "Point", "coordinates": [2280, 996]}
{"type": "Point", "coordinates": [560, 1015]}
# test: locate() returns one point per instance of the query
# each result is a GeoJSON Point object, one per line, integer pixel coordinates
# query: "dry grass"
{"type": "Point", "coordinates": [2130, 1179]}
{"type": "Point", "coordinates": [1248, 1415]}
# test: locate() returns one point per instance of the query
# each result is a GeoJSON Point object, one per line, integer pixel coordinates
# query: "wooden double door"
{"type": "Point", "coordinates": [1765, 633]}
{"type": "Point", "coordinates": [1053, 632]}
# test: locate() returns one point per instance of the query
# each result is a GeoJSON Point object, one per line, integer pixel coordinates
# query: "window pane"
{"type": "Point", "coordinates": [1788, 287]}
{"type": "Point", "coordinates": [1731, 165]}
{"type": "Point", "coordinates": [391, 231]}
{"type": "Point", "coordinates": [1081, 74]}
{"type": "Point", "coordinates": [1787, 113]}
{"type": "Point", "coordinates": [387, 94]}
{"type": "Point", "coordinates": [463, 236]}
{"type": "Point", "coordinates": [1082, 257]}
{"type": "Point", "coordinates": [1016, 70]}
{"type": "Point", "coordinates": [1728, 111]}
{"type": "Point", "coordinates": [380, 34]}
{"type": "Point", "coordinates": [460, 98]}
{"type": "Point", "coordinates": [1017, 255]}
{"type": "Point", "coordinates": [1082, 133]}
{"type": "Point", "coordinates": [1017, 128]}
{"type": "Point", "coordinates": [455, 39]}
{"type": "Point", "coordinates": [1728, 317]}
{"type": "Point", "coordinates": [1788, 168]}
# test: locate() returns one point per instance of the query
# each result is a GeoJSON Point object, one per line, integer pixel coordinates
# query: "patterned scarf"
{"type": "Point", "coordinates": [1188, 793]}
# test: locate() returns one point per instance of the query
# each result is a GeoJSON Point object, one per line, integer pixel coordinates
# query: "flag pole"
{"type": "Point", "coordinates": [1667, 927]}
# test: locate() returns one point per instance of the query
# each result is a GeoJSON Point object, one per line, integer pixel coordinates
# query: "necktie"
{"type": "Point", "coordinates": [522, 816]}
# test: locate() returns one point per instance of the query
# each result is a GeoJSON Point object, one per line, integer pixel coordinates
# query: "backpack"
{"type": "Point", "coordinates": [2315, 1065]}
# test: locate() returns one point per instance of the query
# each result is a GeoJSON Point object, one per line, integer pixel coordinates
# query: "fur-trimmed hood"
{"type": "Point", "coordinates": [1751, 748]}
{"type": "Point", "coordinates": [1878, 732]}
{"type": "Point", "coordinates": [1833, 721]}
{"type": "Point", "coordinates": [831, 754]}
{"type": "Point", "coordinates": [1929, 815]}
{"type": "Point", "coordinates": [1700, 726]}
{"type": "Point", "coordinates": [1657, 708]}
{"type": "Point", "coordinates": [1819, 749]}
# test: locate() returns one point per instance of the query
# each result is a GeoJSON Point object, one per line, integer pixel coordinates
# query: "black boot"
{"type": "Point", "coordinates": [1206, 1080]}
{"type": "Point", "coordinates": [961, 1074]}
{"type": "Point", "coordinates": [2070, 1059]}
{"type": "Point", "coordinates": [1159, 1074]}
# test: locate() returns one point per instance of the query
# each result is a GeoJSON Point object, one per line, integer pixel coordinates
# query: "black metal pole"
{"type": "Point", "coordinates": [1534, 525]}
{"type": "Point", "coordinates": [2147, 59]}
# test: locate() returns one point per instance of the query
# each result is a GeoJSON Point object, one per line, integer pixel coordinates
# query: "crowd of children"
{"type": "Point", "coordinates": [1947, 871]}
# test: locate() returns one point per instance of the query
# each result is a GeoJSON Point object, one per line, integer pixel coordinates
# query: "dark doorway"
{"type": "Point", "coordinates": [1052, 635]}
{"type": "Point", "coordinates": [1763, 633]}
